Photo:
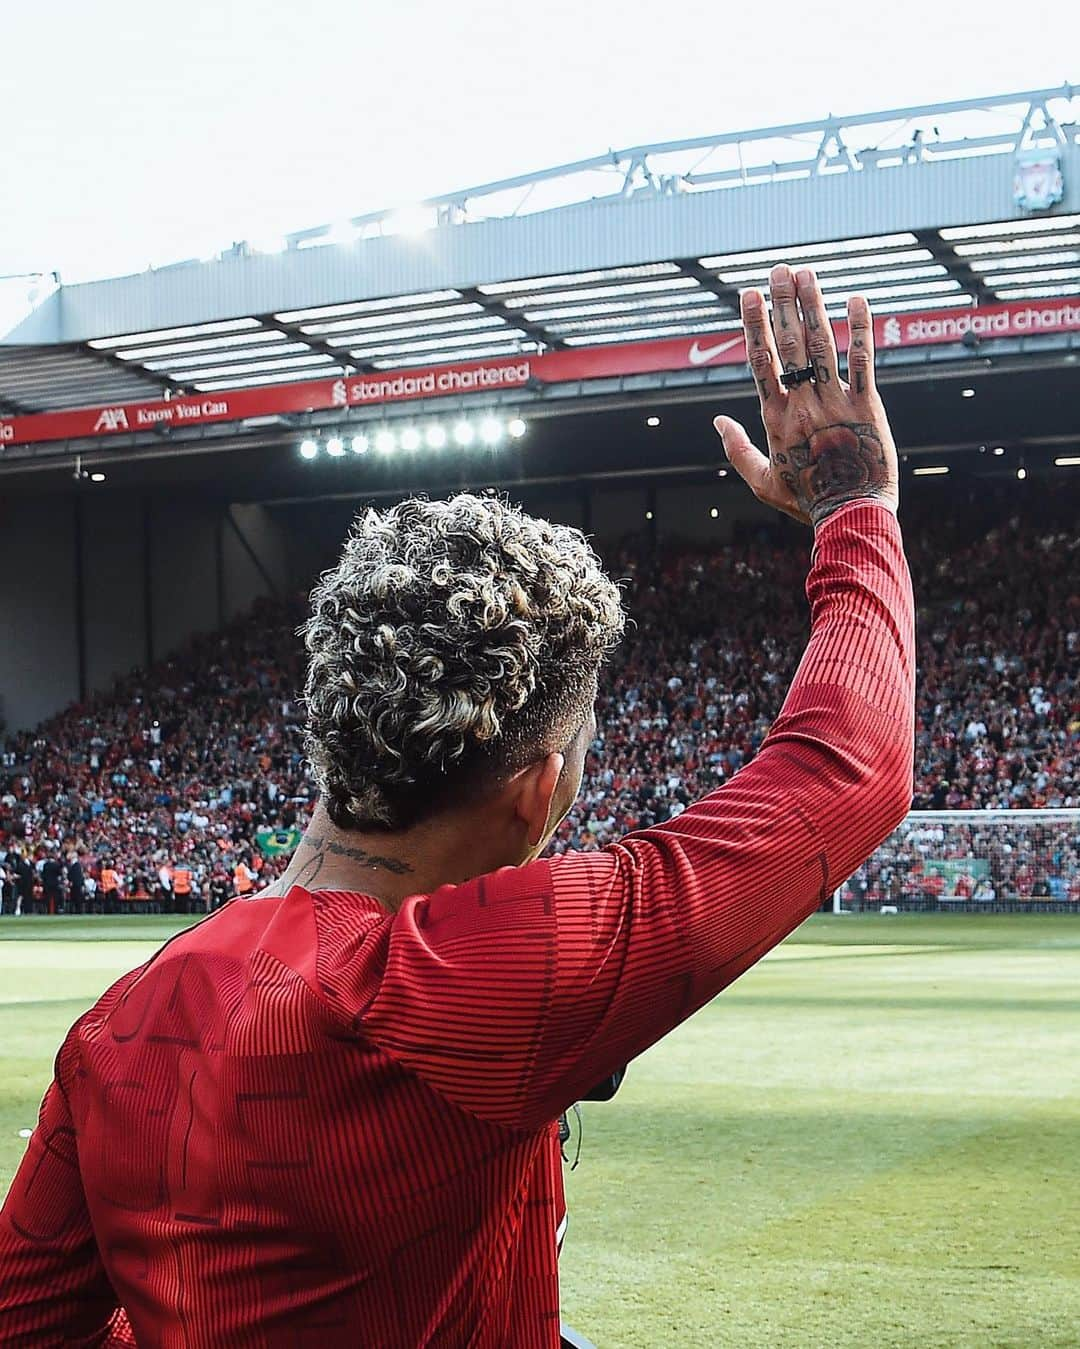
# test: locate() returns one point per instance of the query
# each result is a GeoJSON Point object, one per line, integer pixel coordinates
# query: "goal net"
{"type": "Point", "coordinates": [986, 860]}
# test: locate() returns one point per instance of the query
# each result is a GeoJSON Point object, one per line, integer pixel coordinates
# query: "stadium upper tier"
{"type": "Point", "coordinates": [934, 211]}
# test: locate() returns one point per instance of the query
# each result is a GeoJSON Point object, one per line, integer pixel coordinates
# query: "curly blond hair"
{"type": "Point", "coordinates": [454, 643]}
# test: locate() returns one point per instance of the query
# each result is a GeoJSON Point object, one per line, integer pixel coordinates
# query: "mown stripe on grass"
{"type": "Point", "coordinates": [25, 1004]}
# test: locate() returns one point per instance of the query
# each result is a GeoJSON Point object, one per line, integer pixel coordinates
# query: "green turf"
{"type": "Point", "coordinates": [872, 1140]}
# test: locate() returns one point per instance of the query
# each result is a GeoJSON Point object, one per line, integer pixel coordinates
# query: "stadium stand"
{"type": "Point", "coordinates": [936, 861]}
{"type": "Point", "coordinates": [998, 698]}
{"type": "Point", "coordinates": [189, 781]}
{"type": "Point", "coordinates": [180, 767]}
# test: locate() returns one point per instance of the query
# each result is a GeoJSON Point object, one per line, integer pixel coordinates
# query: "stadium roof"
{"type": "Point", "coordinates": [913, 206]}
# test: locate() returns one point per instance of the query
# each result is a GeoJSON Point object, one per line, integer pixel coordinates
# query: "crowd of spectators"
{"type": "Point", "coordinates": [174, 773]}
{"type": "Point", "coordinates": [945, 859]}
{"type": "Point", "coordinates": [153, 795]}
{"type": "Point", "coordinates": [695, 686]}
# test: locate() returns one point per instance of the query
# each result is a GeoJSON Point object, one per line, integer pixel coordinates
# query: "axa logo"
{"type": "Point", "coordinates": [7, 431]}
{"type": "Point", "coordinates": [339, 393]}
{"type": "Point", "coordinates": [111, 419]}
{"type": "Point", "coordinates": [699, 355]}
{"type": "Point", "coordinates": [893, 333]}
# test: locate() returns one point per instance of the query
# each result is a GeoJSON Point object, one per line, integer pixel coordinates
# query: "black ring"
{"type": "Point", "coordinates": [795, 377]}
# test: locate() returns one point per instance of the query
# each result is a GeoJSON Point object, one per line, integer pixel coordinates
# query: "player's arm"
{"type": "Point", "coordinates": [517, 992]}
{"type": "Point", "coordinates": [53, 1287]}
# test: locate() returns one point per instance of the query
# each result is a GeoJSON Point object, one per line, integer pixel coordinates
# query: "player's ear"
{"type": "Point", "coordinates": [535, 789]}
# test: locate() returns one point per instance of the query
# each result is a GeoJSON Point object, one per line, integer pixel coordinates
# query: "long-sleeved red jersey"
{"type": "Point", "coordinates": [308, 1121]}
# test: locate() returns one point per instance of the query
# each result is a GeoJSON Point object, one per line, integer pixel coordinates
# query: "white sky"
{"type": "Point", "coordinates": [134, 132]}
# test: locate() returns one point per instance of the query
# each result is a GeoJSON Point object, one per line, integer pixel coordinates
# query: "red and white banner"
{"type": "Point", "coordinates": [316, 395]}
{"type": "Point", "coordinates": [891, 331]}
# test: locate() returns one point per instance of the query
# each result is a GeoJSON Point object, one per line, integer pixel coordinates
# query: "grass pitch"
{"type": "Point", "coordinates": [873, 1139]}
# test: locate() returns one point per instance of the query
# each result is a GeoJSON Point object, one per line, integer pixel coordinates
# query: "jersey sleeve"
{"type": "Point", "coordinates": [54, 1291]}
{"type": "Point", "coordinates": [514, 994]}
{"type": "Point", "coordinates": [53, 1287]}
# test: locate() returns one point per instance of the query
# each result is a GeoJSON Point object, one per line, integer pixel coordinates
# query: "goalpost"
{"type": "Point", "coordinates": [985, 861]}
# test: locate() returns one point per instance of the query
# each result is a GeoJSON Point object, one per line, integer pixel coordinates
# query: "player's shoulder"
{"type": "Point", "coordinates": [184, 992]}
{"type": "Point", "coordinates": [334, 940]}
{"type": "Point", "coordinates": [90, 1026]}
{"type": "Point", "coordinates": [507, 898]}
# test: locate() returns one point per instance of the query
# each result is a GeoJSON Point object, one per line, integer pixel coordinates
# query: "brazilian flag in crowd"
{"type": "Point", "coordinates": [274, 842]}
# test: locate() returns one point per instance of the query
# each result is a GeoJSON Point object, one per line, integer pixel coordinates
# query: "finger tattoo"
{"type": "Point", "coordinates": [860, 378]}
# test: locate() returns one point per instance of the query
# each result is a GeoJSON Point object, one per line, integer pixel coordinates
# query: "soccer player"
{"type": "Point", "coordinates": [327, 1114]}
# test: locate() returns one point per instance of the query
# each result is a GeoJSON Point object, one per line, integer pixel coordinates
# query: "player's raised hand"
{"type": "Point", "coordinates": [829, 440]}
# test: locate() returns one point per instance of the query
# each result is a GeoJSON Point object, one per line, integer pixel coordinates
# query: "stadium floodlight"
{"type": "Point", "coordinates": [714, 514]}
{"type": "Point", "coordinates": [435, 437]}
{"type": "Point", "coordinates": [385, 441]}
{"type": "Point", "coordinates": [1021, 473]}
{"type": "Point", "coordinates": [335, 447]}
{"type": "Point", "coordinates": [464, 433]}
{"type": "Point", "coordinates": [721, 472]}
{"type": "Point", "coordinates": [999, 450]}
{"type": "Point", "coordinates": [410, 438]}
{"type": "Point", "coordinates": [1068, 461]}
{"type": "Point", "coordinates": [309, 449]}
{"type": "Point", "coordinates": [360, 444]}
{"type": "Point", "coordinates": [652, 421]}
{"type": "Point", "coordinates": [967, 393]}
{"type": "Point", "coordinates": [932, 471]}
{"type": "Point", "coordinates": [516, 427]}
{"type": "Point", "coordinates": [491, 430]}
{"type": "Point", "coordinates": [97, 477]}
{"type": "Point", "coordinates": [648, 515]}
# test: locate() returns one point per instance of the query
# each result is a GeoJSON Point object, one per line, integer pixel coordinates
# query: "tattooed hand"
{"type": "Point", "coordinates": [829, 441]}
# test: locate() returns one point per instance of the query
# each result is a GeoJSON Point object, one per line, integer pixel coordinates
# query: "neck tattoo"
{"type": "Point", "coordinates": [324, 848]}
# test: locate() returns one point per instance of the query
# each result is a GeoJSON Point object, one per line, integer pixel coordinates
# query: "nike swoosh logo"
{"type": "Point", "coordinates": [703, 355]}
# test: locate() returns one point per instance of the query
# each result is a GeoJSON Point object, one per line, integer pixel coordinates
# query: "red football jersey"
{"type": "Point", "coordinates": [308, 1121]}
